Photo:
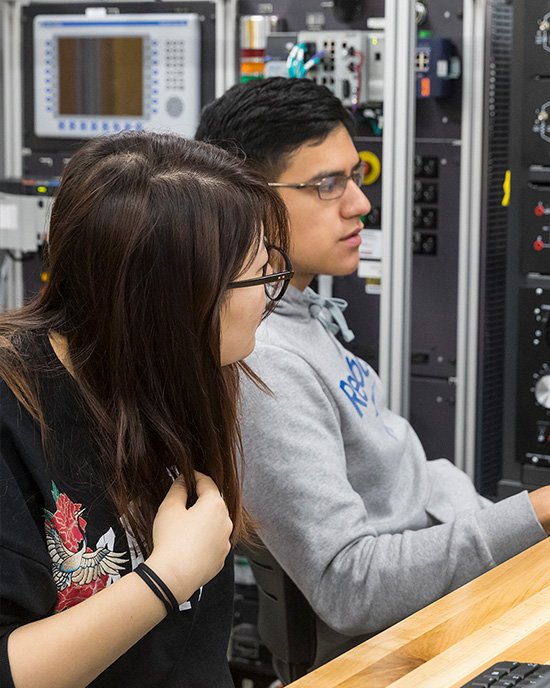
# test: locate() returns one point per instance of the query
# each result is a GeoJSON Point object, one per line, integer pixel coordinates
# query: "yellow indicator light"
{"type": "Point", "coordinates": [506, 187]}
{"type": "Point", "coordinates": [41, 189]}
{"type": "Point", "coordinates": [252, 67]}
{"type": "Point", "coordinates": [375, 41]}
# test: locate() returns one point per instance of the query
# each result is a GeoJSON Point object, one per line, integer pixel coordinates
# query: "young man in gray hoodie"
{"type": "Point", "coordinates": [368, 529]}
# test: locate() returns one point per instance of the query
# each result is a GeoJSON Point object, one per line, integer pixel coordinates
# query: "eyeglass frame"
{"type": "Point", "coordinates": [361, 166]}
{"type": "Point", "coordinates": [285, 275]}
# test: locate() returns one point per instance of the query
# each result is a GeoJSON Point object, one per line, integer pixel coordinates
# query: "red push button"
{"type": "Point", "coordinates": [539, 210]}
{"type": "Point", "coordinates": [538, 245]}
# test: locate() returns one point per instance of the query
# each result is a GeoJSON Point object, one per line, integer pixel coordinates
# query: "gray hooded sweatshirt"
{"type": "Point", "coordinates": [367, 528]}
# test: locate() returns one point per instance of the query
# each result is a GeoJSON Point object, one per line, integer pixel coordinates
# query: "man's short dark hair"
{"type": "Point", "coordinates": [268, 119]}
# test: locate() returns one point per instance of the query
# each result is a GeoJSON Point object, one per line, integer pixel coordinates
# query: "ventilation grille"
{"type": "Point", "coordinates": [493, 303]}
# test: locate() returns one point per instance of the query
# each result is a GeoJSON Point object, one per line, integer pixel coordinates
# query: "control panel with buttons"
{"type": "Point", "coordinates": [533, 386]}
{"type": "Point", "coordinates": [153, 59]}
{"type": "Point", "coordinates": [535, 255]}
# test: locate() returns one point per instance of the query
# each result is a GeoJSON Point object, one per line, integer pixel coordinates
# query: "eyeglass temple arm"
{"type": "Point", "coordinates": [302, 185]}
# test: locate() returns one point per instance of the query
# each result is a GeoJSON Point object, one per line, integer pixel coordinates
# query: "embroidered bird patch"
{"type": "Point", "coordinates": [78, 571]}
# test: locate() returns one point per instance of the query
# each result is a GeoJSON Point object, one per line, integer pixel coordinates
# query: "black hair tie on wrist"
{"type": "Point", "coordinates": [158, 586]}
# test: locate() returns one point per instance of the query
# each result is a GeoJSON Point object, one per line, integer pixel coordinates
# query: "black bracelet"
{"type": "Point", "coordinates": [158, 586]}
{"type": "Point", "coordinates": [162, 585]}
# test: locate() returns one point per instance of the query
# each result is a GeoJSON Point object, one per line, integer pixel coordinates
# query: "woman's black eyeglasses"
{"type": "Point", "coordinates": [276, 283]}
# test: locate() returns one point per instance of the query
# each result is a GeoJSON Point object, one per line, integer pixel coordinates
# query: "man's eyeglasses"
{"type": "Point", "coordinates": [276, 282]}
{"type": "Point", "coordinates": [331, 187]}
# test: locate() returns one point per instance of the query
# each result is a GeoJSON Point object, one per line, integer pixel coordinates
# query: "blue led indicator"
{"type": "Point", "coordinates": [94, 126]}
{"type": "Point", "coordinates": [139, 126]}
{"type": "Point", "coordinates": [155, 81]}
{"type": "Point", "coordinates": [72, 125]}
{"type": "Point", "coordinates": [155, 91]}
{"type": "Point", "coordinates": [105, 126]}
{"type": "Point", "coordinates": [83, 126]}
{"type": "Point", "coordinates": [155, 112]}
{"type": "Point", "coordinates": [116, 126]}
{"type": "Point", "coordinates": [61, 125]}
{"type": "Point", "coordinates": [127, 126]}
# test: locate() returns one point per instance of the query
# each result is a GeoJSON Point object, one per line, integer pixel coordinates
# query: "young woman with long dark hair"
{"type": "Point", "coordinates": [120, 491]}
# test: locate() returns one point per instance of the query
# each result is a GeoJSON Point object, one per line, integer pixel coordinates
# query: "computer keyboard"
{"type": "Point", "coordinates": [507, 674]}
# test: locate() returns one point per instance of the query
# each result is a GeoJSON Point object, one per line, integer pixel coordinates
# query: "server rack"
{"type": "Point", "coordinates": [527, 370]}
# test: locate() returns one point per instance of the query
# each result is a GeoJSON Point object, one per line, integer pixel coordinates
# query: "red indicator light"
{"type": "Point", "coordinates": [539, 210]}
{"type": "Point", "coordinates": [538, 245]}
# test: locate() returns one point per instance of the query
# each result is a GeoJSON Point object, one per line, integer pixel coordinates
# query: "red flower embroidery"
{"type": "Point", "coordinates": [73, 562]}
{"type": "Point", "coordinates": [65, 522]}
{"type": "Point", "coordinates": [71, 596]}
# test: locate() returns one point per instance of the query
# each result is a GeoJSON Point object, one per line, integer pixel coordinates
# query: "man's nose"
{"type": "Point", "coordinates": [356, 203]}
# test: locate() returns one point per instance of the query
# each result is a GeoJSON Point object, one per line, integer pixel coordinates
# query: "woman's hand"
{"type": "Point", "coordinates": [190, 545]}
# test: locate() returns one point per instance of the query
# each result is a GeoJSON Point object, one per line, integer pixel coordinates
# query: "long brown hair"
{"type": "Point", "coordinates": [146, 232]}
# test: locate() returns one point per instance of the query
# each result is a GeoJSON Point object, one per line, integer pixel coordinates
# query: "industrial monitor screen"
{"type": "Point", "coordinates": [99, 73]}
{"type": "Point", "coordinates": [100, 76]}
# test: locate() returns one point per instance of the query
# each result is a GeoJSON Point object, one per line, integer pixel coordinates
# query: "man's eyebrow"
{"type": "Point", "coordinates": [332, 173]}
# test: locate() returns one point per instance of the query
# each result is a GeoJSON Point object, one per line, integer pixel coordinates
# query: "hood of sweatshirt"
{"type": "Point", "coordinates": [307, 304]}
{"type": "Point", "coordinates": [295, 303]}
